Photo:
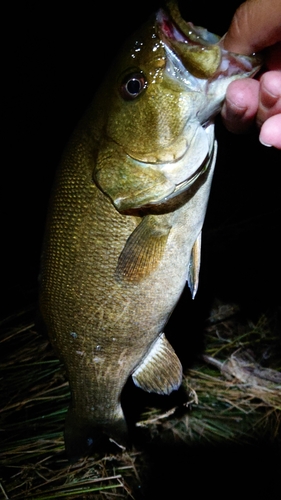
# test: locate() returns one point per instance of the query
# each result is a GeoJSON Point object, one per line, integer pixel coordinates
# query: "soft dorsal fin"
{"type": "Point", "coordinates": [143, 250]}
{"type": "Point", "coordinates": [160, 371]}
{"type": "Point", "coordinates": [194, 266]}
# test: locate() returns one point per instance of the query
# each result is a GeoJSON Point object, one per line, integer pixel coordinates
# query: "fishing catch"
{"type": "Point", "coordinates": [124, 227]}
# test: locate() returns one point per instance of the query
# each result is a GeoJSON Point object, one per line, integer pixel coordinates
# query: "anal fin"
{"type": "Point", "coordinates": [161, 370]}
{"type": "Point", "coordinates": [194, 266]}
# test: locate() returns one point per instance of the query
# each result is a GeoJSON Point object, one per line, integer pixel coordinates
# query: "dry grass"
{"type": "Point", "coordinates": [233, 395]}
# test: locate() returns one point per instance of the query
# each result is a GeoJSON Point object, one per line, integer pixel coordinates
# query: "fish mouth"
{"type": "Point", "coordinates": [196, 47]}
{"type": "Point", "coordinates": [201, 52]}
{"type": "Point", "coordinates": [200, 66]}
{"type": "Point", "coordinates": [178, 42]}
{"type": "Point", "coordinates": [181, 154]}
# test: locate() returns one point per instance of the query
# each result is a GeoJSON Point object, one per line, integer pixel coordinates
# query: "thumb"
{"type": "Point", "coordinates": [256, 25]}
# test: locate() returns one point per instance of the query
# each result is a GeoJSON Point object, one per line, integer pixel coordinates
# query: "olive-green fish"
{"type": "Point", "coordinates": [124, 227]}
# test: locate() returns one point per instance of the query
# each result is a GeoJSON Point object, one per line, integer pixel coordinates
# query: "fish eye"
{"type": "Point", "coordinates": [133, 85]}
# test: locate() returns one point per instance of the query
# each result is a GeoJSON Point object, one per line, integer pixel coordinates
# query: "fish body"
{"type": "Point", "coordinates": [124, 227]}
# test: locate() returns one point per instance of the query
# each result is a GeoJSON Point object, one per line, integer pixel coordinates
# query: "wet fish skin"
{"type": "Point", "coordinates": [124, 227]}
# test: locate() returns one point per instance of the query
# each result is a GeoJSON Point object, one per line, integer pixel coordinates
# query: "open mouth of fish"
{"type": "Point", "coordinates": [195, 74]}
{"type": "Point", "coordinates": [191, 153]}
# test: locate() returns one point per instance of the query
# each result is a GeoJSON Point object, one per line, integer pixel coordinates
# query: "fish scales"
{"type": "Point", "coordinates": [123, 232]}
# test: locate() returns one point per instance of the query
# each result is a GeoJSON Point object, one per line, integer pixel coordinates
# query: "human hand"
{"type": "Point", "coordinates": [256, 25]}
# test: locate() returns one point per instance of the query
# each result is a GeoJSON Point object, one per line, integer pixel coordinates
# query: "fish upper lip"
{"type": "Point", "coordinates": [172, 31]}
{"type": "Point", "coordinates": [229, 63]}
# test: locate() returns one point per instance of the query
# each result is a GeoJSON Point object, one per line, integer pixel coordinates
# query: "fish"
{"type": "Point", "coordinates": [123, 231]}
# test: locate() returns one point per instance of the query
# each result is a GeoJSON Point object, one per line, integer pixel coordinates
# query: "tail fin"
{"type": "Point", "coordinates": [83, 436]}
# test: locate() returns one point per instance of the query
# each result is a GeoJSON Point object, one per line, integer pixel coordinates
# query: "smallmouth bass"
{"type": "Point", "coordinates": [123, 232]}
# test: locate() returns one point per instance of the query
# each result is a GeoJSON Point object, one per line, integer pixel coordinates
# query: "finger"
{"type": "Point", "coordinates": [240, 105]}
{"type": "Point", "coordinates": [270, 132]}
{"type": "Point", "coordinates": [255, 25]}
{"type": "Point", "coordinates": [270, 96]}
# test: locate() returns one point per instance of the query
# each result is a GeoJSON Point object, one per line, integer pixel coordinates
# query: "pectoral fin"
{"type": "Point", "coordinates": [194, 266]}
{"type": "Point", "coordinates": [143, 250]}
{"type": "Point", "coordinates": [161, 370]}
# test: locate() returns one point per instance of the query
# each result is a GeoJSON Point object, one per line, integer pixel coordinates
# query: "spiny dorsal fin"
{"type": "Point", "coordinates": [143, 250]}
{"type": "Point", "coordinates": [161, 370]}
{"type": "Point", "coordinates": [194, 266]}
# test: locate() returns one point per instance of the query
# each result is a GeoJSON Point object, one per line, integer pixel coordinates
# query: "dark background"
{"type": "Point", "coordinates": [54, 56]}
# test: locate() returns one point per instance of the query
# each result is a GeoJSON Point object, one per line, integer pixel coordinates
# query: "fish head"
{"type": "Point", "coordinates": [166, 87]}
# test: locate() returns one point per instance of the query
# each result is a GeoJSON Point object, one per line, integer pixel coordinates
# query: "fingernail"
{"type": "Point", "coordinates": [264, 144]}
